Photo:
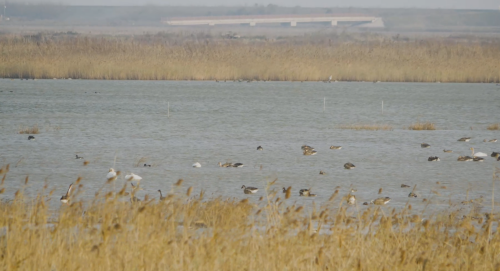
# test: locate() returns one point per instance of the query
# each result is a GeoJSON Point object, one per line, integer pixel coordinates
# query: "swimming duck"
{"type": "Point", "coordinates": [65, 198]}
{"type": "Point", "coordinates": [433, 158]}
{"type": "Point", "coordinates": [146, 165]}
{"type": "Point", "coordinates": [447, 151]}
{"type": "Point", "coordinates": [464, 158]}
{"type": "Point", "coordinates": [133, 177]}
{"type": "Point", "coordinates": [306, 193]}
{"type": "Point", "coordinates": [404, 186]}
{"type": "Point", "coordinates": [465, 139]}
{"type": "Point", "coordinates": [78, 157]}
{"type": "Point", "coordinates": [425, 145]}
{"type": "Point", "coordinates": [111, 174]}
{"type": "Point", "coordinates": [284, 190]}
{"type": "Point", "coordinates": [480, 154]}
{"type": "Point", "coordinates": [31, 137]}
{"type": "Point", "coordinates": [306, 147]}
{"type": "Point", "coordinates": [492, 140]}
{"type": "Point", "coordinates": [412, 195]}
{"type": "Point", "coordinates": [309, 152]}
{"type": "Point", "coordinates": [225, 164]}
{"type": "Point", "coordinates": [349, 165]}
{"type": "Point", "coordinates": [335, 147]}
{"type": "Point", "coordinates": [351, 200]}
{"type": "Point", "coordinates": [196, 164]}
{"type": "Point", "coordinates": [259, 148]}
{"type": "Point", "coordinates": [478, 159]}
{"type": "Point", "coordinates": [381, 201]}
{"type": "Point", "coordinates": [249, 190]}
{"type": "Point", "coordinates": [321, 172]}
{"type": "Point", "coordinates": [238, 165]}
{"type": "Point", "coordinates": [495, 154]}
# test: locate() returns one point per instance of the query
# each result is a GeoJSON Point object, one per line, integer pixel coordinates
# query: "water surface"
{"type": "Point", "coordinates": [171, 125]}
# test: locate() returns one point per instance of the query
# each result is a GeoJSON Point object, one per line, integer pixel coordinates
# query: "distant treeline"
{"type": "Point", "coordinates": [202, 57]}
{"type": "Point", "coordinates": [108, 15]}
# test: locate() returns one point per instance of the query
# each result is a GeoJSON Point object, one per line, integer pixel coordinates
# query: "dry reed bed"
{"type": "Point", "coordinates": [422, 126]}
{"type": "Point", "coordinates": [494, 126]}
{"type": "Point", "coordinates": [373, 127]}
{"type": "Point", "coordinates": [29, 130]}
{"type": "Point", "coordinates": [147, 58]}
{"type": "Point", "coordinates": [109, 233]}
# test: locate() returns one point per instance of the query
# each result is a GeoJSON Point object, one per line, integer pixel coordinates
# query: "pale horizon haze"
{"type": "Point", "coordinates": [432, 4]}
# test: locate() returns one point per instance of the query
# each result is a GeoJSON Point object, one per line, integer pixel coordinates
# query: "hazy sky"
{"type": "Point", "coordinates": [449, 4]}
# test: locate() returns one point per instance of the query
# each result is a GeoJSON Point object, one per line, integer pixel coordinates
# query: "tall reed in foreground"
{"type": "Point", "coordinates": [315, 59]}
{"type": "Point", "coordinates": [185, 232]}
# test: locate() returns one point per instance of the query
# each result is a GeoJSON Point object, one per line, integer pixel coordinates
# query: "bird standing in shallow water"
{"type": "Point", "coordinates": [161, 196]}
{"type": "Point", "coordinates": [65, 198]}
{"type": "Point", "coordinates": [249, 190]}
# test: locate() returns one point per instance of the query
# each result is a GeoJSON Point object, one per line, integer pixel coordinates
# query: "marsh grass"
{"type": "Point", "coordinates": [494, 126]}
{"type": "Point", "coordinates": [422, 126]}
{"type": "Point", "coordinates": [373, 127]}
{"type": "Point", "coordinates": [314, 58]}
{"type": "Point", "coordinates": [29, 130]}
{"type": "Point", "coordinates": [185, 232]}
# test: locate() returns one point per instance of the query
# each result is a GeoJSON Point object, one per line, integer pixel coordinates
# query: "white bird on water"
{"type": "Point", "coordinates": [477, 154]}
{"type": "Point", "coordinates": [111, 174]}
{"type": "Point", "coordinates": [196, 164]}
{"type": "Point", "coordinates": [133, 177]}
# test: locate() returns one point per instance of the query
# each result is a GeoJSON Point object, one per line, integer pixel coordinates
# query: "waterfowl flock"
{"type": "Point", "coordinates": [307, 150]}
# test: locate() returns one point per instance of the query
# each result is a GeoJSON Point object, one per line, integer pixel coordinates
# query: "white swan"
{"type": "Point", "coordinates": [133, 177]}
{"type": "Point", "coordinates": [196, 164]}
{"type": "Point", "coordinates": [478, 154]}
{"type": "Point", "coordinates": [111, 174]}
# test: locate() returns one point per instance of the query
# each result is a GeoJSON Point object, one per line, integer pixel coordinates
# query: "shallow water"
{"type": "Point", "coordinates": [211, 122]}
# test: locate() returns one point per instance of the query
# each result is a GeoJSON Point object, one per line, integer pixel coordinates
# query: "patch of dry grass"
{"type": "Point", "coordinates": [422, 126]}
{"type": "Point", "coordinates": [374, 127]}
{"type": "Point", "coordinates": [494, 126]}
{"type": "Point", "coordinates": [157, 57]}
{"type": "Point", "coordinates": [270, 233]}
{"type": "Point", "coordinates": [29, 130]}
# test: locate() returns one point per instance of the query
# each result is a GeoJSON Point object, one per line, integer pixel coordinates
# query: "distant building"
{"type": "Point", "coordinates": [293, 20]}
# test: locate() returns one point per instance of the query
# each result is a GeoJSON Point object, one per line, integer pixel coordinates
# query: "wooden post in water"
{"type": "Point", "coordinates": [324, 104]}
